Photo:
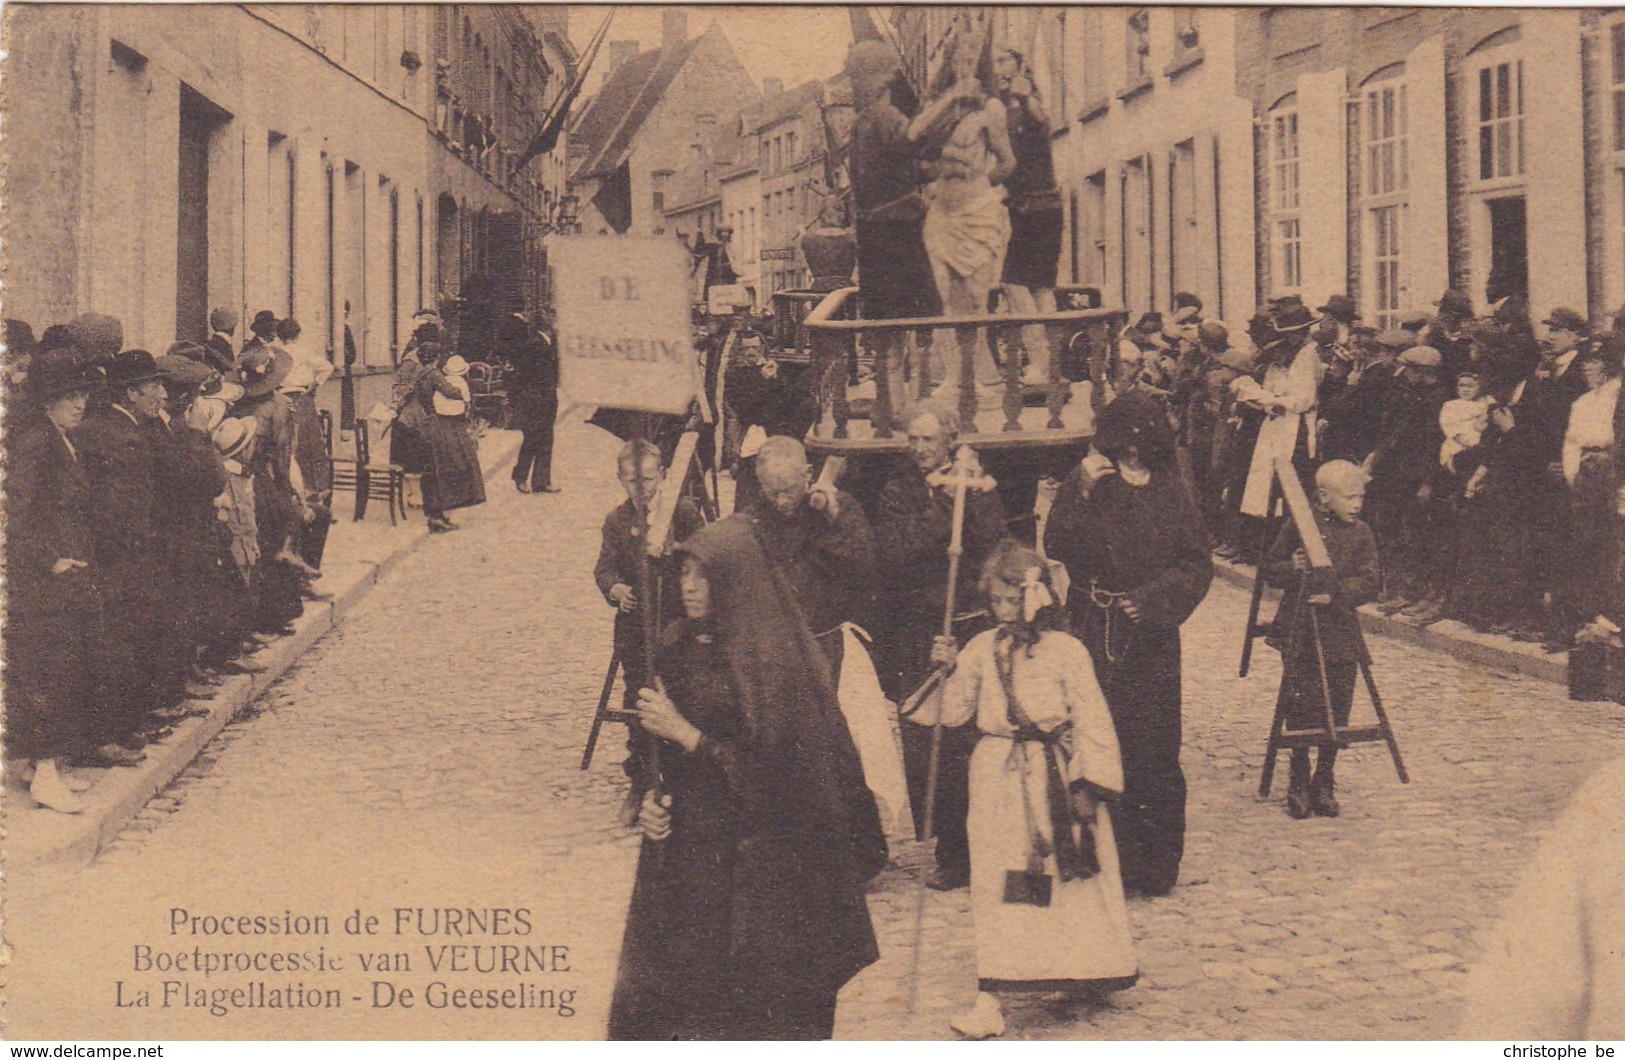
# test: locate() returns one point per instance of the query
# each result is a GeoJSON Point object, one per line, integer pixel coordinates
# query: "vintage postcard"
{"type": "Point", "coordinates": [528, 521]}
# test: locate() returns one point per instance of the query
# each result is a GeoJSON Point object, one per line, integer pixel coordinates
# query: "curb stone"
{"type": "Point", "coordinates": [1447, 638]}
{"type": "Point", "coordinates": [46, 841]}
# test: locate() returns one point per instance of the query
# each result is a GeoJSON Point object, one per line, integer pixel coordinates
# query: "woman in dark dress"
{"type": "Point", "coordinates": [452, 478]}
{"type": "Point", "coordinates": [748, 912]}
{"type": "Point", "coordinates": [1494, 589]}
{"type": "Point", "coordinates": [52, 608]}
{"type": "Point", "coordinates": [1136, 551]}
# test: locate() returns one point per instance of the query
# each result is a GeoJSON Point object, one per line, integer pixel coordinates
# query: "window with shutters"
{"type": "Point", "coordinates": [1384, 133]}
{"type": "Point", "coordinates": [1386, 159]}
{"type": "Point", "coordinates": [1500, 120]}
{"type": "Point", "coordinates": [1094, 229]}
{"type": "Point", "coordinates": [1387, 288]}
{"type": "Point", "coordinates": [1285, 223]}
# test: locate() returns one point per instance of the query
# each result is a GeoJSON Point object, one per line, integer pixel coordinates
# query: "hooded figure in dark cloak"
{"type": "Point", "coordinates": [748, 912]}
{"type": "Point", "coordinates": [1136, 552]}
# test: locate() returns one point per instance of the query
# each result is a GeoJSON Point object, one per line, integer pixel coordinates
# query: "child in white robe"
{"type": "Point", "coordinates": [1045, 886]}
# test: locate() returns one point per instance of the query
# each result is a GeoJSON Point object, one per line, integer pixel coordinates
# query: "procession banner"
{"type": "Point", "coordinates": [623, 317]}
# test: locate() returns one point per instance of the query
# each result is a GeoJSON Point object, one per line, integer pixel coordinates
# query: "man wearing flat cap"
{"type": "Point", "coordinates": [122, 461]}
{"type": "Point", "coordinates": [1401, 493]}
{"type": "Point", "coordinates": [1566, 332]}
{"type": "Point", "coordinates": [1204, 424]}
{"type": "Point", "coordinates": [190, 477]}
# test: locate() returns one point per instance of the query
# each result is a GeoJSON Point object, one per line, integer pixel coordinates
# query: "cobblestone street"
{"type": "Point", "coordinates": [425, 755]}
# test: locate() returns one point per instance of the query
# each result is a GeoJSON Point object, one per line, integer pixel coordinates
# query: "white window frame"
{"type": "Point", "coordinates": [1513, 124]}
{"type": "Point", "coordinates": [1487, 59]}
{"type": "Point", "coordinates": [1285, 199]}
{"type": "Point", "coordinates": [1096, 218]}
{"type": "Point", "coordinates": [1384, 184]}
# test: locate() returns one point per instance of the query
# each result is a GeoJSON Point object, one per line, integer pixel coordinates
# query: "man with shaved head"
{"type": "Point", "coordinates": [820, 540]}
{"type": "Point", "coordinates": [818, 536]}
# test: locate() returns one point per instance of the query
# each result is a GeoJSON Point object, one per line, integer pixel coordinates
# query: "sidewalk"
{"type": "Point", "coordinates": [358, 556]}
{"type": "Point", "coordinates": [1446, 637]}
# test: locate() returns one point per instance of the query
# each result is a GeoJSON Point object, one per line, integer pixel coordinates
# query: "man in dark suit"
{"type": "Point", "coordinates": [1402, 468]}
{"type": "Point", "coordinates": [221, 343]}
{"type": "Point", "coordinates": [262, 330]}
{"type": "Point", "coordinates": [190, 477]}
{"type": "Point", "coordinates": [1558, 382]}
{"type": "Point", "coordinates": [913, 523]}
{"type": "Point", "coordinates": [347, 378]}
{"type": "Point", "coordinates": [117, 443]}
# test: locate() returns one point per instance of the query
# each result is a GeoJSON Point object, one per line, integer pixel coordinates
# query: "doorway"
{"type": "Point", "coordinates": [201, 121]}
{"type": "Point", "coordinates": [1509, 249]}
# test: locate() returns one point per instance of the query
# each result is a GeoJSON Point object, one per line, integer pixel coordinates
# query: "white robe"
{"type": "Point", "coordinates": [1298, 386]}
{"type": "Point", "coordinates": [872, 721]}
{"type": "Point", "coordinates": [1083, 934]}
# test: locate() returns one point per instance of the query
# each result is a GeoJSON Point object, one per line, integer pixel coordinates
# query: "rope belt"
{"type": "Point", "coordinates": [1109, 602]}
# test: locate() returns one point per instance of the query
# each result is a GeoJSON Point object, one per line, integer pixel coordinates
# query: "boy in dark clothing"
{"type": "Point", "coordinates": [1354, 578]}
{"type": "Point", "coordinates": [640, 469]}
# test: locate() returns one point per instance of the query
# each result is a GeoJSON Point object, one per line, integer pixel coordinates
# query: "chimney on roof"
{"type": "Point", "coordinates": [673, 29]}
{"type": "Point", "coordinates": [620, 51]}
{"type": "Point", "coordinates": [772, 86]}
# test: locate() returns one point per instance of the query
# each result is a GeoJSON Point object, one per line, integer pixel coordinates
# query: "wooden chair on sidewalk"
{"type": "Point", "coordinates": [359, 475]}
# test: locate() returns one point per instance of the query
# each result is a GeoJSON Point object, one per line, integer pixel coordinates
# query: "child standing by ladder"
{"type": "Point", "coordinates": [1354, 578]}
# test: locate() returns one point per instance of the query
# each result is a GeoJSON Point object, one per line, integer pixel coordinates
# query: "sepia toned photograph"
{"type": "Point", "coordinates": [542, 522]}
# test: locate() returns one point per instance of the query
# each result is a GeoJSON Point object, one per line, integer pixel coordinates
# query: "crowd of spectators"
{"type": "Point", "coordinates": [1491, 443]}
{"type": "Point", "coordinates": [166, 518]}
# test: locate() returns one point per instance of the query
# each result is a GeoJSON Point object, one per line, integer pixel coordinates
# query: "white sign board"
{"type": "Point", "coordinates": [725, 298]}
{"type": "Point", "coordinates": [622, 305]}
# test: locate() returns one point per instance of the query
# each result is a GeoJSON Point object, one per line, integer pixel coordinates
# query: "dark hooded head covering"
{"type": "Point", "coordinates": [1139, 421]}
{"type": "Point", "coordinates": [804, 806]}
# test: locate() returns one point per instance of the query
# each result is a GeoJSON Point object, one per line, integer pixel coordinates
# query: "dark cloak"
{"type": "Point", "coordinates": [1147, 541]}
{"type": "Point", "coordinates": [750, 918]}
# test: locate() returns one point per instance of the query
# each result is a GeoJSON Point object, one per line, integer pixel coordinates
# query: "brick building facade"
{"type": "Point", "coordinates": [1451, 142]}
{"type": "Point", "coordinates": [163, 160]}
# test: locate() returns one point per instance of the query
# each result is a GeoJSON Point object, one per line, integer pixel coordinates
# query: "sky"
{"type": "Point", "coordinates": [793, 43]}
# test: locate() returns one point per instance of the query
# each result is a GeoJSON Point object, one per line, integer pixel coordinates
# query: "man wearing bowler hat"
{"type": "Point", "coordinates": [1448, 334]}
{"type": "Point", "coordinates": [262, 330]}
{"type": "Point", "coordinates": [119, 447]}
